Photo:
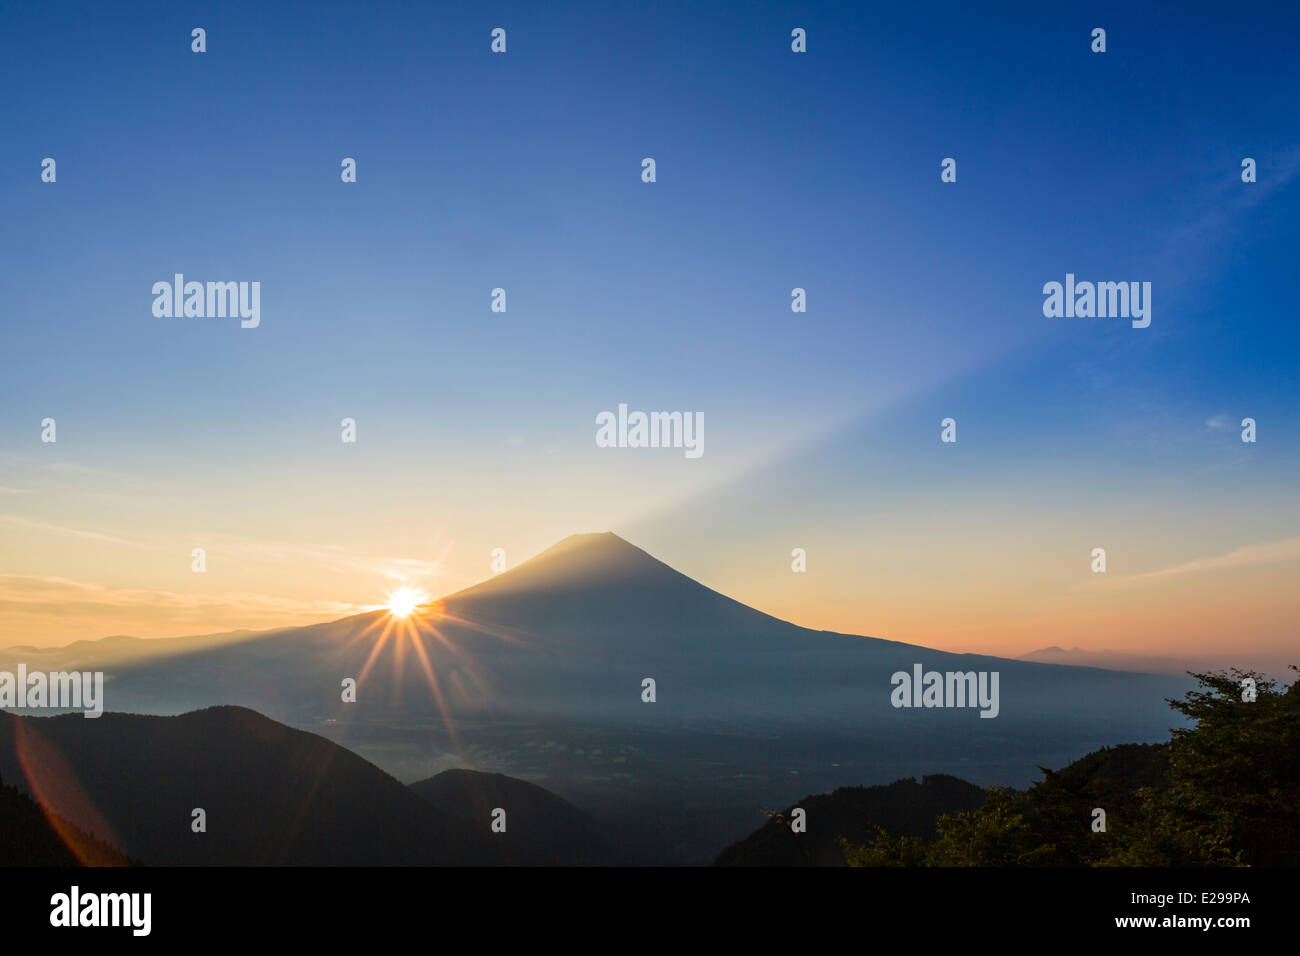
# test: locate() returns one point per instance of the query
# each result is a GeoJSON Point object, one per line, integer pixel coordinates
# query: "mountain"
{"type": "Point", "coordinates": [541, 828]}
{"type": "Point", "coordinates": [1049, 824]}
{"type": "Point", "coordinates": [1117, 660]}
{"type": "Point", "coordinates": [573, 633]}
{"type": "Point", "coordinates": [118, 650]}
{"type": "Point", "coordinates": [31, 836]}
{"type": "Point", "coordinates": [540, 672]}
{"type": "Point", "coordinates": [272, 795]}
{"type": "Point", "coordinates": [902, 808]}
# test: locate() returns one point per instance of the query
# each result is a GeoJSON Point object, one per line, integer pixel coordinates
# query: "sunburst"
{"type": "Point", "coordinates": [404, 601]}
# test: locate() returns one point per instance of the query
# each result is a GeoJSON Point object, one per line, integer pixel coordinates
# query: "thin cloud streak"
{"type": "Point", "coordinates": [1272, 552]}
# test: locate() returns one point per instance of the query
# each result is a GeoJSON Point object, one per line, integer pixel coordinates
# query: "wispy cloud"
{"type": "Point", "coordinates": [53, 593]}
{"type": "Point", "coordinates": [64, 609]}
{"type": "Point", "coordinates": [330, 557]}
{"type": "Point", "coordinates": [73, 468]}
{"type": "Point", "coordinates": [1229, 198]}
{"type": "Point", "coordinates": [64, 467]}
{"type": "Point", "coordinates": [87, 533]}
{"type": "Point", "coordinates": [1272, 552]}
{"type": "Point", "coordinates": [255, 550]}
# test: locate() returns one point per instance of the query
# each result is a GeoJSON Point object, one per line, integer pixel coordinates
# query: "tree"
{"type": "Point", "coordinates": [1225, 791]}
{"type": "Point", "coordinates": [1234, 778]}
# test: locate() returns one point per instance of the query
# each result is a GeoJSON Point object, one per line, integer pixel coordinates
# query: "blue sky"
{"type": "Point", "coordinates": [775, 170]}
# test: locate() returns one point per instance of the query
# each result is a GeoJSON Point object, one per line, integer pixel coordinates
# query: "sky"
{"type": "Point", "coordinates": [775, 170]}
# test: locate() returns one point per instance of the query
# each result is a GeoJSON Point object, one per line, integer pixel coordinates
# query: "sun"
{"type": "Point", "coordinates": [404, 601]}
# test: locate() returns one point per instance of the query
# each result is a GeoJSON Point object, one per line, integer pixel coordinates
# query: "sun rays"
{"type": "Point", "coordinates": [447, 651]}
{"type": "Point", "coordinates": [404, 601]}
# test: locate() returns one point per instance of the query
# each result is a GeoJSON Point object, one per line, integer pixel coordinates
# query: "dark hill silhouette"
{"type": "Point", "coordinates": [1120, 769]}
{"type": "Point", "coordinates": [1057, 810]}
{"type": "Point", "coordinates": [902, 808]}
{"type": "Point", "coordinates": [1221, 792]}
{"type": "Point", "coordinates": [542, 829]}
{"type": "Point", "coordinates": [31, 837]}
{"type": "Point", "coordinates": [273, 795]}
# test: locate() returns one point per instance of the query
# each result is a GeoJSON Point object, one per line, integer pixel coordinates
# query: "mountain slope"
{"type": "Point", "coordinates": [29, 836]}
{"type": "Point", "coordinates": [573, 633]}
{"type": "Point", "coordinates": [272, 795]}
{"type": "Point", "coordinates": [902, 808]}
{"type": "Point", "coordinates": [541, 828]}
{"type": "Point", "coordinates": [1053, 817]}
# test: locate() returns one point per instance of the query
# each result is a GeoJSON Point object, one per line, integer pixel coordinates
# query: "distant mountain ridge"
{"type": "Point", "coordinates": [1116, 660]}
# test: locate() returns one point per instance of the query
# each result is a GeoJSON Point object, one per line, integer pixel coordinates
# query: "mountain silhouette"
{"type": "Point", "coordinates": [902, 808]}
{"type": "Point", "coordinates": [1036, 827]}
{"type": "Point", "coordinates": [541, 828]}
{"type": "Point", "coordinates": [574, 632]}
{"type": "Point", "coordinates": [32, 836]}
{"type": "Point", "coordinates": [271, 795]}
{"type": "Point", "coordinates": [1117, 660]}
{"type": "Point", "coordinates": [544, 671]}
